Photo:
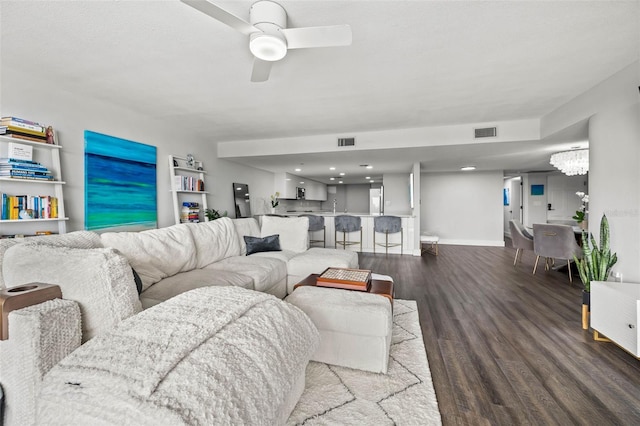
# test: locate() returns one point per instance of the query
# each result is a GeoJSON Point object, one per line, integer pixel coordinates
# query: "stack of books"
{"type": "Point", "coordinates": [20, 128]}
{"type": "Point", "coordinates": [190, 212]}
{"type": "Point", "coordinates": [23, 169]}
{"type": "Point", "coordinates": [16, 207]}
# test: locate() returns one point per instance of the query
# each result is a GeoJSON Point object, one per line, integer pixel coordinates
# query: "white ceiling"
{"type": "Point", "coordinates": [412, 64]}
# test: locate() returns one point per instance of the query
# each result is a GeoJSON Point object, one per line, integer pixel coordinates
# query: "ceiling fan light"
{"type": "Point", "coordinates": [268, 47]}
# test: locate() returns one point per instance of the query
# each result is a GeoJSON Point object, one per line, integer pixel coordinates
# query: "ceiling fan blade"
{"type": "Point", "coordinates": [216, 12]}
{"type": "Point", "coordinates": [333, 35]}
{"type": "Point", "coordinates": [261, 70]}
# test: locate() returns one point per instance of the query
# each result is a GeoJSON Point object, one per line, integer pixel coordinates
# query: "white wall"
{"type": "Point", "coordinates": [613, 109]}
{"type": "Point", "coordinates": [535, 206]}
{"type": "Point", "coordinates": [396, 193]}
{"type": "Point", "coordinates": [463, 208]}
{"type": "Point", "coordinates": [71, 114]}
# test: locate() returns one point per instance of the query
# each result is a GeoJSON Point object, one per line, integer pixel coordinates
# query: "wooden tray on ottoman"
{"type": "Point", "coordinates": [381, 287]}
{"type": "Point", "coordinates": [349, 279]}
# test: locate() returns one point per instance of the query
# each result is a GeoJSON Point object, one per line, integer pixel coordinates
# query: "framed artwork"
{"type": "Point", "coordinates": [505, 196]}
{"type": "Point", "coordinates": [537, 189]}
{"type": "Point", "coordinates": [120, 190]}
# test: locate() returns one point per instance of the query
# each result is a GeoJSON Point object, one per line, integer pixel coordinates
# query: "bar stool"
{"type": "Point", "coordinates": [347, 224]}
{"type": "Point", "coordinates": [316, 223]}
{"type": "Point", "coordinates": [387, 225]}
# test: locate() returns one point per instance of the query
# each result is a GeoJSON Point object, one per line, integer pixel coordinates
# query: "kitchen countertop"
{"type": "Point", "coordinates": [331, 214]}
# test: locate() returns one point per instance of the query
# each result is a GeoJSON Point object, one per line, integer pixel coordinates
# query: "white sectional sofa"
{"type": "Point", "coordinates": [97, 276]}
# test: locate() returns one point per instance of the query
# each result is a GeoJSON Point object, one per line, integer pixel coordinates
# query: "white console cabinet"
{"type": "Point", "coordinates": [615, 309]}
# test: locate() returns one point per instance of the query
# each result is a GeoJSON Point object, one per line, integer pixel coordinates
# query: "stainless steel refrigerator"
{"type": "Point", "coordinates": [376, 201]}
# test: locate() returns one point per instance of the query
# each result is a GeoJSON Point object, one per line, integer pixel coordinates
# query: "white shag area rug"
{"type": "Point", "coordinates": [404, 396]}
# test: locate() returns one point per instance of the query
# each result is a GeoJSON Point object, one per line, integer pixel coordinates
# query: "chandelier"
{"type": "Point", "coordinates": [571, 163]}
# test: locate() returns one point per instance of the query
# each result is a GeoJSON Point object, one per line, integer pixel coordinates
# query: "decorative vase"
{"type": "Point", "coordinates": [586, 308]}
{"type": "Point", "coordinates": [584, 224]}
{"type": "Point", "coordinates": [273, 210]}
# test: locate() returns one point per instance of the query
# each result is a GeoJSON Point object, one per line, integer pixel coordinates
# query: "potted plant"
{"type": "Point", "coordinates": [580, 216]}
{"type": "Point", "coordinates": [274, 202]}
{"type": "Point", "coordinates": [213, 214]}
{"type": "Point", "coordinates": [595, 265]}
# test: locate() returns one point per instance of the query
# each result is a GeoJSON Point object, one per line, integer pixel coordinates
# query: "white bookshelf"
{"type": "Point", "coordinates": [179, 166]}
{"type": "Point", "coordinates": [49, 156]}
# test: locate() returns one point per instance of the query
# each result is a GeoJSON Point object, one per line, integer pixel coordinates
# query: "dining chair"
{"type": "Point", "coordinates": [387, 225]}
{"type": "Point", "coordinates": [521, 239]}
{"type": "Point", "coordinates": [316, 223]}
{"type": "Point", "coordinates": [347, 224]}
{"type": "Point", "coordinates": [555, 242]}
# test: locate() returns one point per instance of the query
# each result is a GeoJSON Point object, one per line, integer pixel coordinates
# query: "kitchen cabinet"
{"type": "Point", "coordinates": [286, 184]}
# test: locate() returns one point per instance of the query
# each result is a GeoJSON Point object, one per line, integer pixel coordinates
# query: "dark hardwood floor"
{"type": "Point", "coordinates": [506, 347]}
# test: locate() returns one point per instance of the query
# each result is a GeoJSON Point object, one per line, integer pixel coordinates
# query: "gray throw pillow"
{"type": "Point", "coordinates": [257, 245]}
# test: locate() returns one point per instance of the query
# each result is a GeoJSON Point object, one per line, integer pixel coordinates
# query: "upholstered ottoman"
{"type": "Point", "coordinates": [315, 261]}
{"type": "Point", "coordinates": [355, 327]}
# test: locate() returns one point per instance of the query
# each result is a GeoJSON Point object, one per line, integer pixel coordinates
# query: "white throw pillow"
{"type": "Point", "coordinates": [246, 227]}
{"type": "Point", "coordinates": [293, 231]}
{"type": "Point", "coordinates": [157, 253]}
{"type": "Point", "coordinates": [100, 280]}
{"type": "Point", "coordinates": [214, 241]}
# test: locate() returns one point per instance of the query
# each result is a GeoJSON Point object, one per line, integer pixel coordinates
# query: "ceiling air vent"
{"type": "Point", "coordinates": [346, 141]}
{"type": "Point", "coordinates": [487, 132]}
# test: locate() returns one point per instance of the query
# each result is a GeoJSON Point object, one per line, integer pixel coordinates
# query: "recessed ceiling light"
{"type": "Point", "coordinates": [332, 168]}
{"type": "Point", "coordinates": [288, 179]}
{"type": "Point", "coordinates": [467, 168]}
{"type": "Point", "coordinates": [339, 181]}
{"type": "Point", "coordinates": [341, 173]}
{"type": "Point", "coordinates": [369, 167]}
{"type": "Point", "coordinates": [332, 178]}
{"type": "Point", "coordinates": [298, 170]}
{"type": "Point", "coordinates": [238, 189]}
{"type": "Point", "coordinates": [301, 183]}
{"type": "Point", "coordinates": [368, 177]}
{"type": "Point", "coordinates": [372, 181]}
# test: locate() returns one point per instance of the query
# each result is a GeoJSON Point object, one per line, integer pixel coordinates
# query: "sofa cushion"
{"type": "Point", "coordinates": [157, 253]}
{"type": "Point", "coordinates": [100, 280]}
{"type": "Point", "coordinates": [265, 272]}
{"type": "Point", "coordinates": [214, 240]}
{"type": "Point", "coordinates": [284, 255]}
{"type": "Point", "coordinates": [293, 231]}
{"type": "Point", "coordinates": [184, 281]}
{"type": "Point", "coordinates": [259, 245]}
{"type": "Point", "coordinates": [246, 227]}
{"type": "Point", "coordinates": [77, 239]}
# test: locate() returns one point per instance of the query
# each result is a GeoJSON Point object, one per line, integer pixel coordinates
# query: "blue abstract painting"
{"type": "Point", "coordinates": [119, 184]}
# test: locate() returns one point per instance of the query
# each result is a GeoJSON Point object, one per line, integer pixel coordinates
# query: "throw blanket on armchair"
{"type": "Point", "coordinates": [214, 355]}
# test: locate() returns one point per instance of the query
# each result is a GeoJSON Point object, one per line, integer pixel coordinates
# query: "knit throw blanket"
{"type": "Point", "coordinates": [215, 355]}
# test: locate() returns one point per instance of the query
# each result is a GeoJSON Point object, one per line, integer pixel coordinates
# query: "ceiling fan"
{"type": "Point", "coordinates": [269, 37]}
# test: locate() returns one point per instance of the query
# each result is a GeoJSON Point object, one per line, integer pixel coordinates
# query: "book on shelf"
{"type": "Point", "coordinates": [345, 278]}
{"type": "Point", "coordinates": [23, 166]}
{"type": "Point", "coordinates": [20, 120]}
{"type": "Point", "coordinates": [15, 207]}
{"type": "Point", "coordinates": [20, 151]}
{"type": "Point", "coordinates": [188, 183]}
{"type": "Point", "coordinates": [190, 212]}
{"type": "Point", "coordinates": [19, 126]}
{"type": "Point", "coordinates": [25, 137]}
{"type": "Point", "coordinates": [17, 160]}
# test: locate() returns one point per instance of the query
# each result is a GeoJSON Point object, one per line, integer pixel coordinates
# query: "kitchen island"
{"type": "Point", "coordinates": [408, 228]}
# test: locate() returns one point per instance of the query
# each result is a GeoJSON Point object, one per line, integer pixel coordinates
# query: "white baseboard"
{"type": "Point", "coordinates": [490, 243]}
